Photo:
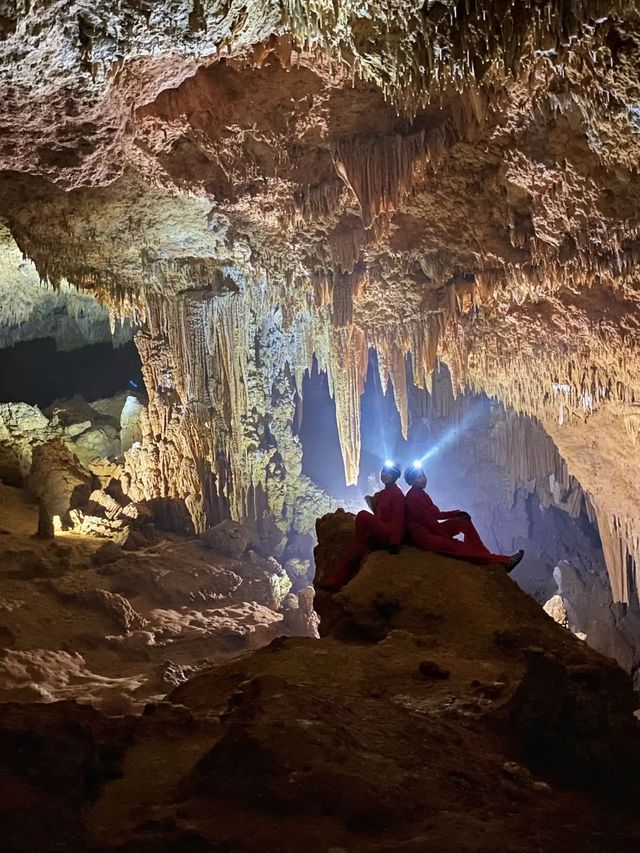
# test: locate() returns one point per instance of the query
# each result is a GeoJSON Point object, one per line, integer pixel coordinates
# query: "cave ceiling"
{"type": "Point", "coordinates": [258, 183]}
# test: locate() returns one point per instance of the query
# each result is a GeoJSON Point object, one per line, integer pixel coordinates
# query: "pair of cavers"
{"type": "Point", "coordinates": [413, 519]}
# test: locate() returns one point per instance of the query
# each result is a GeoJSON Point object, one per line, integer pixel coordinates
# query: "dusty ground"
{"type": "Point", "coordinates": [444, 713]}
{"type": "Point", "coordinates": [83, 620]}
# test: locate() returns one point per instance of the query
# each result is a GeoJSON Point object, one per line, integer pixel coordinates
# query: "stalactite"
{"type": "Point", "coordinates": [318, 201]}
{"type": "Point", "coordinates": [523, 448]}
{"type": "Point", "coordinates": [322, 283]}
{"type": "Point", "coordinates": [621, 544]}
{"type": "Point", "coordinates": [452, 45]}
{"type": "Point", "coordinates": [348, 373]}
{"type": "Point", "coordinates": [345, 289]}
{"type": "Point", "coordinates": [345, 247]}
{"type": "Point", "coordinates": [551, 361]}
{"type": "Point", "coordinates": [379, 169]}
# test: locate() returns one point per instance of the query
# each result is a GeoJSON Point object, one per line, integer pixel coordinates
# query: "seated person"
{"type": "Point", "coordinates": [431, 529]}
{"type": "Point", "coordinates": [381, 528]}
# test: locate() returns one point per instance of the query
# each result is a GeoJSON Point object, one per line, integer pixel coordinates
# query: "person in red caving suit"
{"type": "Point", "coordinates": [431, 529]}
{"type": "Point", "coordinates": [382, 528]}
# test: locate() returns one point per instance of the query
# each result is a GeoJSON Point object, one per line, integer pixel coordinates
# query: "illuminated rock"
{"type": "Point", "coordinates": [229, 538]}
{"type": "Point", "coordinates": [58, 480]}
{"type": "Point", "coordinates": [130, 429]}
{"type": "Point", "coordinates": [21, 428]}
{"type": "Point", "coordinates": [583, 604]}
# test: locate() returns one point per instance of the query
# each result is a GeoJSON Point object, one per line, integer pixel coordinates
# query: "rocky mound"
{"type": "Point", "coordinates": [84, 619]}
{"type": "Point", "coordinates": [443, 711]}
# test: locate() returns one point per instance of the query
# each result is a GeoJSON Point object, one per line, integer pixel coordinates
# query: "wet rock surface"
{"type": "Point", "coordinates": [345, 743]}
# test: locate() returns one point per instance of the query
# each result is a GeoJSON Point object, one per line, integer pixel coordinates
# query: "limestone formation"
{"type": "Point", "coordinates": [63, 454]}
{"type": "Point", "coordinates": [229, 538]}
{"type": "Point", "coordinates": [29, 308]}
{"type": "Point", "coordinates": [58, 480]}
{"type": "Point", "coordinates": [22, 427]}
{"type": "Point", "coordinates": [91, 431]}
{"type": "Point", "coordinates": [261, 189]}
{"type": "Point", "coordinates": [582, 603]}
{"type": "Point", "coordinates": [260, 184]}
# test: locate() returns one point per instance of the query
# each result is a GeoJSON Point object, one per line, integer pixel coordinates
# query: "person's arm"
{"type": "Point", "coordinates": [372, 501]}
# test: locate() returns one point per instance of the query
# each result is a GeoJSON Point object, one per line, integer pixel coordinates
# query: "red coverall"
{"type": "Point", "coordinates": [383, 529]}
{"type": "Point", "coordinates": [428, 533]}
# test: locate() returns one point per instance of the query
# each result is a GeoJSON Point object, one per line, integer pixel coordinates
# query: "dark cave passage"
{"type": "Point", "coordinates": [381, 434]}
{"type": "Point", "coordinates": [35, 372]}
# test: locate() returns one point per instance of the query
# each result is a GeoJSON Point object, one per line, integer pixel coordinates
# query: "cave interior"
{"type": "Point", "coordinates": [248, 252]}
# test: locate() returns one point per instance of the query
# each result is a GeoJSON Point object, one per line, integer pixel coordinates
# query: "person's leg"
{"type": "Point", "coordinates": [427, 541]}
{"type": "Point", "coordinates": [453, 526]}
{"type": "Point", "coordinates": [365, 524]}
{"type": "Point", "coordinates": [378, 534]}
{"type": "Point", "coordinates": [368, 532]}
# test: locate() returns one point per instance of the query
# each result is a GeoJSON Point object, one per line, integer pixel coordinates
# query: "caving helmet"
{"type": "Point", "coordinates": [413, 471]}
{"type": "Point", "coordinates": [391, 467]}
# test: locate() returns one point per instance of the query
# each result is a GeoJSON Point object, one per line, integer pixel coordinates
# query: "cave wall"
{"type": "Point", "coordinates": [255, 184]}
{"type": "Point", "coordinates": [222, 404]}
{"type": "Point", "coordinates": [506, 470]}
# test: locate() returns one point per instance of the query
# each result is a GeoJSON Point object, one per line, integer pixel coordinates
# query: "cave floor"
{"type": "Point", "coordinates": [81, 620]}
{"type": "Point", "coordinates": [350, 743]}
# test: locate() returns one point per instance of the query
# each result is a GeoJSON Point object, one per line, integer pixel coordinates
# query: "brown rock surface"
{"type": "Point", "coordinates": [57, 480]}
{"type": "Point", "coordinates": [87, 620]}
{"type": "Point", "coordinates": [346, 745]}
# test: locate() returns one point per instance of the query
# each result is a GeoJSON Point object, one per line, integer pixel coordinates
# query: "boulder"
{"type": "Point", "coordinates": [300, 619]}
{"type": "Point", "coordinates": [264, 579]}
{"type": "Point", "coordinates": [97, 442]}
{"type": "Point", "coordinates": [71, 412]}
{"type": "Point", "coordinates": [230, 538]}
{"type": "Point", "coordinates": [334, 532]}
{"type": "Point", "coordinates": [111, 407]}
{"type": "Point", "coordinates": [300, 573]}
{"type": "Point", "coordinates": [58, 480]}
{"type": "Point", "coordinates": [567, 695]}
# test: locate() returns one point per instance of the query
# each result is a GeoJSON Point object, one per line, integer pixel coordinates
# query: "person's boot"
{"type": "Point", "coordinates": [514, 559]}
